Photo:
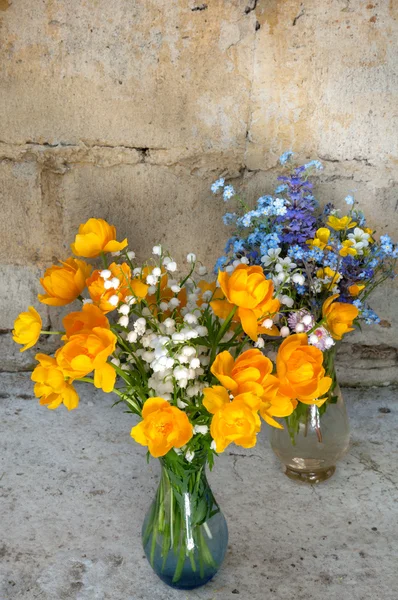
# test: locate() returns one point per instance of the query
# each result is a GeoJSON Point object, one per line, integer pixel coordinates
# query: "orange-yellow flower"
{"type": "Point", "coordinates": [356, 289]}
{"type": "Point", "coordinates": [321, 238]}
{"type": "Point", "coordinates": [163, 427]}
{"type": "Point", "coordinates": [247, 289]}
{"type": "Point", "coordinates": [94, 237]}
{"type": "Point", "coordinates": [300, 371]}
{"type": "Point", "coordinates": [84, 321]}
{"type": "Point", "coordinates": [248, 373]}
{"type": "Point", "coordinates": [27, 328]}
{"type": "Point", "coordinates": [236, 421]}
{"type": "Point", "coordinates": [275, 404]}
{"type": "Point", "coordinates": [347, 248]}
{"type": "Point", "coordinates": [215, 398]}
{"type": "Point", "coordinates": [51, 386]}
{"type": "Point", "coordinates": [339, 316]}
{"type": "Point", "coordinates": [86, 352]}
{"type": "Point", "coordinates": [340, 224]}
{"type": "Point", "coordinates": [100, 295]}
{"type": "Point", "coordinates": [63, 284]}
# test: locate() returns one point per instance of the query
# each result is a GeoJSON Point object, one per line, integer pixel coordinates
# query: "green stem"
{"type": "Point", "coordinates": [86, 379]}
{"type": "Point", "coordinates": [52, 332]}
{"type": "Point", "coordinates": [104, 261]}
{"type": "Point", "coordinates": [183, 507]}
{"type": "Point", "coordinates": [221, 333]}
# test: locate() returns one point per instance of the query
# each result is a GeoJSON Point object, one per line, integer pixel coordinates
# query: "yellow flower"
{"type": "Point", "coordinates": [248, 373]}
{"type": "Point", "coordinates": [86, 352]}
{"type": "Point", "coordinates": [328, 273]}
{"type": "Point", "coordinates": [340, 224]}
{"type": "Point", "coordinates": [163, 427]}
{"type": "Point", "coordinates": [27, 328]}
{"type": "Point", "coordinates": [339, 316]}
{"type": "Point", "coordinates": [249, 378]}
{"type": "Point", "coordinates": [233, 421]}
{"type": "Point", "coordinates": [100, 295]}
{"type": "Point", "coordinates": [247, 289]}
{"type": "Point", "coordinates": [300, 371]}
{"type": "Point", "coordinates": [356, 289]}
{"type": "Point", "coordinates": [51, 386]}
{"type": "Point", "coordinates": [217, 396]}
{"type": "Point", "coordinates": [275, 404]}
{"type": "Point", "coordinates": [347, 248]}
{"type": "Point", "coordinates": [84, 321]}
{"type": "Point", "coordinates": [321, 238]}
{"type": "Point", "coordinates": [370, 232]}
{"type": "Point", "coordinates": [64, 284]}
{"type": "Point", "coordinates": [94, 237]}
{"type": "Point", "coordinates": [236, 422]}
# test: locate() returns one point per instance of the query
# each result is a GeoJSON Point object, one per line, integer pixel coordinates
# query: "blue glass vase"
{"type": "Point", "coordinates": [184, 534]}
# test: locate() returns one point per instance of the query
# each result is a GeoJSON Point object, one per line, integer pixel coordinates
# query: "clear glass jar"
{"type": "Point", "coordinates": [185, 534]}
{"type": "Point", "coordinates": [313, 439]}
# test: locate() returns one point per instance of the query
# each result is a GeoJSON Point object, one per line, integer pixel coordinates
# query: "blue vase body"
{"type": "Point", "coordinates": [185, 534]}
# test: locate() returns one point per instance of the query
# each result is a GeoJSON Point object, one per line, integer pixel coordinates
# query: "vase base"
{"type": "Point", "coordinates": [185, 584]}
{"type": "Point", "coordinates": [310, 476]}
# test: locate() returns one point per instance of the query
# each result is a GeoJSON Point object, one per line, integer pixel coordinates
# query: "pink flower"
{"type": "Point", "coordinates": [301, 321]}
{"type": "Point", "coordinates": [321, 339]}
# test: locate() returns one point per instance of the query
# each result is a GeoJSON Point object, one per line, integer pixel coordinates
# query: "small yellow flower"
{"type": "Point", "coordinates": [51, 386]}
{"type": "Point", "coordinates": [300, 370]}
{"type": "Point", "coordinates": [163, 427]}
{"type": "Point", "coordinates": [216, 397]}
{"type": "Point", "coordinates": [94, 237]}
{"type": "Point", "coordinates": [339, 316]}
{"type": "Point", "coordinates": [27, 328]}
{"type": "Point", "coordinates": [84, 321]}
{"type": "Point", "coordinates": [63, 284]}
{"type": "Point", "coordinates": [252, 294]}
{"type": "Point", "coordinates": [86, 352]}
{"type": "Point", "coordinates": [327, 272]}
{"type": "Point", "coordinates": [275, 404]}
{"type": "Point", "coordinates": [370, 232]}
{"type": "Point", "coordinates": [347, 248]}
{"type": "Point", "coordinates": [340, 224]}
{"type": "Point", "coordinates": [321, 239]}
{"type": "Point", "coordinates": [236, 421]}
{"type": "Point", "coordinates": [248, 373]}
{"type": "Point", "coordinates": [356, 289]}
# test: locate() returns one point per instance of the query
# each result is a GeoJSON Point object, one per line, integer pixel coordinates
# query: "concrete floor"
{"type": "Point", "coordinates": [74, 489]}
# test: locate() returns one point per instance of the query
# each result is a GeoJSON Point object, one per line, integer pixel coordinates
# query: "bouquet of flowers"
{"type": "Point", "coordinates": [177, 350]}
{"type": "Point", "coordinates": [323, 265]}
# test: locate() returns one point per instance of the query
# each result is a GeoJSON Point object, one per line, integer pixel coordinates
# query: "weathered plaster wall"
{"type": "Point", "coordinates": [128, 110]}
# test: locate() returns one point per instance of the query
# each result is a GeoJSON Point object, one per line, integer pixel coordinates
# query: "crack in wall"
{"type": "Point", "coordinates": [59, 156]}
{"type": "Point", "coordinates": [358, 159]}
{"type": "Point", "coordinates": [80, 144]}
{"type": "Point", "coordinates": [199, 8]}
{"type": "Point", "coordinates": [300, 14]}
{"type": "Point", "coordinates": [250, 7]}
{"type": "Point", "coordinates": [251, 88]}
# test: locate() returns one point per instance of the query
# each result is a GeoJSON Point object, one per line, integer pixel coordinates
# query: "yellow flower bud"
{"type": "Point", "coordinates": [27, 328]}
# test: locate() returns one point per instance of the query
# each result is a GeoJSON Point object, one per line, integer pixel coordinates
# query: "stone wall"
{"type": "Point", "coordinates": [129, 109]}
